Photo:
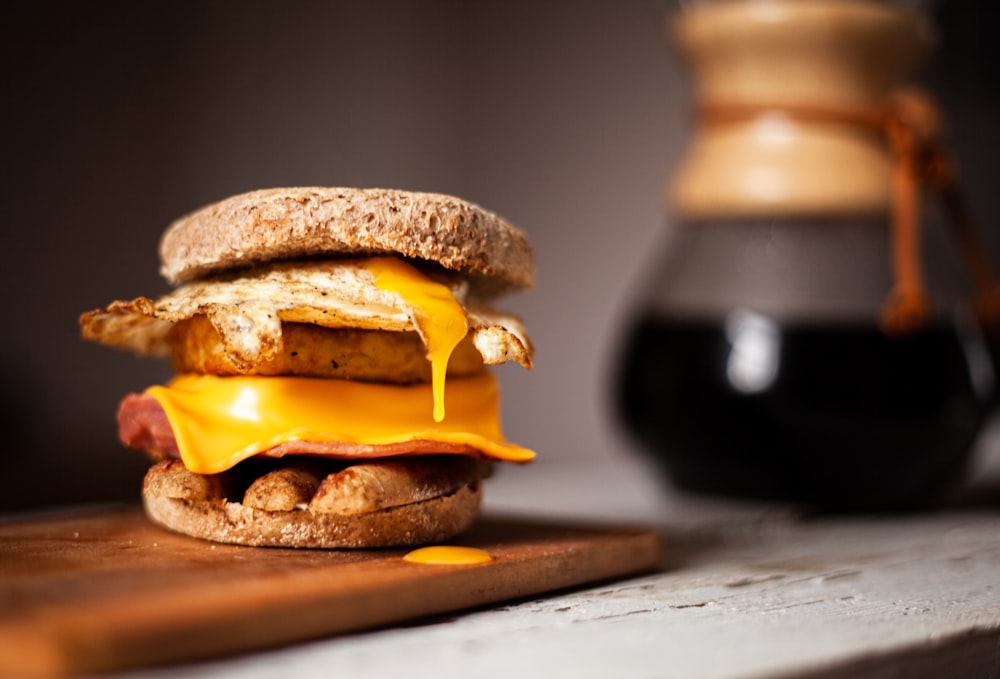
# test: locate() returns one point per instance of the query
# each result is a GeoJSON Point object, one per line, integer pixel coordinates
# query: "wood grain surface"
{"type": "Point", "coordinates": [106, 590]}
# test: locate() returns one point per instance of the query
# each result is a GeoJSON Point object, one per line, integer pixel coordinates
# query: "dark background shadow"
{"type": "Point", "coordinates": [565, 116]}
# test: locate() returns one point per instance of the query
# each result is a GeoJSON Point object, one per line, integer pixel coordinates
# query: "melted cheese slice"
{"type": "Point", "coordinates": [220, 421]}
{"type": "Point", "coordinates": [438, 316]}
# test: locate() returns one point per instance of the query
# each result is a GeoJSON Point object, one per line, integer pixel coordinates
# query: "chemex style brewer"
{"type": "Point", "coordinates": [805, 337]}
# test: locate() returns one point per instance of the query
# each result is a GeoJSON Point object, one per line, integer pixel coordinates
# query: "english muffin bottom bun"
{"type": "Point", "coordinates": [331, 350]}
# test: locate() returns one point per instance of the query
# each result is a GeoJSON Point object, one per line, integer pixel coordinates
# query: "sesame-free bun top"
{"type": "Point", "coordinates": [310, 222]}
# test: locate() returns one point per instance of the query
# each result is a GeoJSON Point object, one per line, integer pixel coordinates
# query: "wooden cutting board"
{"type": "Point", "coordinates": [106, 590]}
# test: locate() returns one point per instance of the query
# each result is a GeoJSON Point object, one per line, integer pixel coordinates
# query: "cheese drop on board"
{"type": "Point", "coordinates": [447, 555]}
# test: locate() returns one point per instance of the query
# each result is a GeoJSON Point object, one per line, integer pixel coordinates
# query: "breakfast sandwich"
{"type": "Point", "coordinates": [330, 349]}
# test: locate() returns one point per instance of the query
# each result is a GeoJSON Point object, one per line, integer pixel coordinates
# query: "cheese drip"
{"type": "Point", "coordinates": [221, 421]}
{"type": "Point", "coordinates": [439, 317]}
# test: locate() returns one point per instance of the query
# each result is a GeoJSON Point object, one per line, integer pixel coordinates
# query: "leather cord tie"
{"type": "Point", "coordinates": [910, 124]}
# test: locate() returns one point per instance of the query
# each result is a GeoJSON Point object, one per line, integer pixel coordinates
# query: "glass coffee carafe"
{"type": "Point", "coordinates": [804, 337]}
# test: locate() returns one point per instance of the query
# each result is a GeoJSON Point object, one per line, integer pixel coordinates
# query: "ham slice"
{"type": "Point", "coordinates": [143, 425]}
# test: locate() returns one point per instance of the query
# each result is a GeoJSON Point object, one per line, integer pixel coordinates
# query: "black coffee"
{"type": "Point", "coordinates": [838, 416]}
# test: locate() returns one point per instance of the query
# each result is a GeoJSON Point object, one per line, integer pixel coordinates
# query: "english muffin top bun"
{"type": "Point", "coordinates": [292, 223]}
{"type": "Point", "coordinates": [330, 348]}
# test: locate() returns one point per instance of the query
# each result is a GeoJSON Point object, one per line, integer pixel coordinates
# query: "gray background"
{"type": "Point", "coordinates": [564, 116]}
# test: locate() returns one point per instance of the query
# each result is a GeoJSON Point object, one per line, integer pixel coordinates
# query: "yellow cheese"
{"type": "Point", "coordinates": [438, 316]}
{"type": "Point", "coordinates": [447, 555]}
{"type": "Point", "coordinates": [220, 421]}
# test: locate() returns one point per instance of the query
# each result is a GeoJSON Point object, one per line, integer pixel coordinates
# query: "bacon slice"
{"type": "Point", "coordinates": [143, 425]}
